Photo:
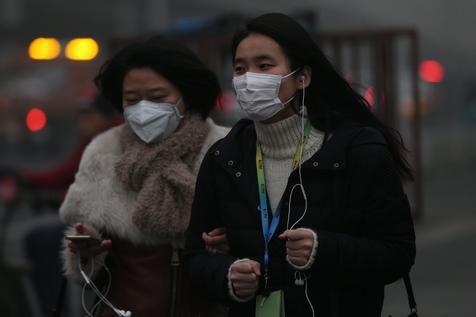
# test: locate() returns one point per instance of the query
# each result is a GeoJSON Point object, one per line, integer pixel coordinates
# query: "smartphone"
{"type": "Point", "coordinates": [84, 240]}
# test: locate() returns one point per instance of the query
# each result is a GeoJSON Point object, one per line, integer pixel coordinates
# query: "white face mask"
{"type": "Point", "coordinates": [152, 121]}
{"type": "Point", "coordinates": [257, 94]}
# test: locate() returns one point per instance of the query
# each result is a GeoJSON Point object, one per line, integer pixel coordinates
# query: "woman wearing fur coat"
{"type": "Point", "coordinates": [135, 185]}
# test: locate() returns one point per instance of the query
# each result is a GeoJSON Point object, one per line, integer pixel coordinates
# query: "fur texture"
{"type": "Point", "coordinates": [162, 176]}
{"type": "Point", "coordinates": [99, 199]}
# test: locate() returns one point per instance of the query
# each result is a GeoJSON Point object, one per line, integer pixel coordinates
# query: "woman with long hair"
{"type": "Point", "coordinates": [308, 188]}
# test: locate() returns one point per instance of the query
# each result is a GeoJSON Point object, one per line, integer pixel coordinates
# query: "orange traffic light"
{"type": "Point", "coordinates": [44, 48]}
{"type": "Point", "coordinates": [82, 49]}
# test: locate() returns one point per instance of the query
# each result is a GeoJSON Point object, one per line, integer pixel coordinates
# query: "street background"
{"type": "Point", "coordinates": [432, 103]}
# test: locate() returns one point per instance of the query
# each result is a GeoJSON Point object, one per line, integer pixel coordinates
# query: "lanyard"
{"type": "Point", "coordinates": [269, 229]}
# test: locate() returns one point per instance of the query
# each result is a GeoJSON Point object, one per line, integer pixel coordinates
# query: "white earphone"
{"type": "Point", "coordinates": [300, 278]}
{"type": "Point", "coordinates": [123, 313]}
{"type": "Point", "coordinates": [300, 184]}
{"type": "Point", "coordinates": [102, 298]}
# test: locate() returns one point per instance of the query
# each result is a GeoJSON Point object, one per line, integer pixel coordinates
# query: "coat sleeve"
{"type": "Point", "coordinates": [75, 209]}
{"type": "Point", "coordinates": [384, 251]}
{"type": "Point", "coordinates": [91, 266]}
{"type": "Point", "coordinates": [208, 272]}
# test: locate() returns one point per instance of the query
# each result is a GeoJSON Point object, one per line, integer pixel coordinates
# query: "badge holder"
{"type": "Point", "coordinates": [271, 306]}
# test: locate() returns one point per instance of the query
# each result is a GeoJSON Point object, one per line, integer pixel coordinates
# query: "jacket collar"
{"type": "Point", "coordinates": [235, 152]}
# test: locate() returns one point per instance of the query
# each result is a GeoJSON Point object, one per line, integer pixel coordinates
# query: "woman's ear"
{"type": "Point", "coordinates": [304, 77]}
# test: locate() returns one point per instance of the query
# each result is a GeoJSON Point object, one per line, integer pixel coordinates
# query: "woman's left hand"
{"type": "Point", "coordinates": [215, 241]}
{"type": "Point", "coordinates": [299, 245]}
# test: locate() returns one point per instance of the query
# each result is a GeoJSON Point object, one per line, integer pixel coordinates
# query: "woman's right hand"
{"type": "Point", "coordinates": [215, 241]}
{"type": "Point", "coordinates": [85, 250]}
{"type": "Point", "coordinates": [244, 277]}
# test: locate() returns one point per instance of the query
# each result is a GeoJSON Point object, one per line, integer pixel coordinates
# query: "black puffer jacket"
{"type": "Point", "coordinates": [356, 206]}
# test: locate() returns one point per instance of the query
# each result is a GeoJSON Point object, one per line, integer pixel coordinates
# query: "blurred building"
{"type": "Point", "coordinates": [444, 28]}
{"type": "Point", "coordinates": [56, 87]}
{"type": "Point", "coordinates": [39, 99]}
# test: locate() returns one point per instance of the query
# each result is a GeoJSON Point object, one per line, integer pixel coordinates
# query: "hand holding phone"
{"type": "Point", "coordinates": [84, 241]}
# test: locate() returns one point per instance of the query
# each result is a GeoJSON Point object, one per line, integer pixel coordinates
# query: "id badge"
{"type": "Point", "coordinates": [271, 306]}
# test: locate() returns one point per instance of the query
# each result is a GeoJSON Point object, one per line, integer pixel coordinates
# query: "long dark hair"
{"type": "Point", "coordinates": [330, 99]}
{"type": "Point", "coordinates": [198, 85]}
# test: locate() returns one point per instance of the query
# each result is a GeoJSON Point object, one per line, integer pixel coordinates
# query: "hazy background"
{"type": "Point", "coordinates": [444, 276]}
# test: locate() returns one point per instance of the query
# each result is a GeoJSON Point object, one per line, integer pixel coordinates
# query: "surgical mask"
{"type": "Point", "coordinates": [152, 121]}
{"type": "Point", "coordinates": [257, 94]}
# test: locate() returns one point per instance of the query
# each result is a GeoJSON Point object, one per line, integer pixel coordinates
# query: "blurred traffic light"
{"type": "Point", "coordinates": [82, 49]}
{"type": "Point", "coordinates": [44, 48]}
{"type": "Point", "coordinates": [369, 95]}
{"type": "Point", "coordinates": [431, 71]}
{"type": "Point", "coordinates": [36, 120]}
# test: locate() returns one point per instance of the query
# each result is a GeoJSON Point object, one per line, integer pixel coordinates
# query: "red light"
{"type": "Point", "coordinates": [369, 95]}
{"type": "Point", "coordinates": [36, 120]}
{"type": "Point", "coordinates": [431, 71]}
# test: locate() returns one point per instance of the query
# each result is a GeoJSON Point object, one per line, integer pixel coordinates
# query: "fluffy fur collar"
{"type": "Point", "coordinates": [162, 176]}
{"type": "Point", "coordinates": [99, 198]}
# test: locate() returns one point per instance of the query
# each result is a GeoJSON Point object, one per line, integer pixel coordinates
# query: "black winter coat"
{"type": "Point", "coordinates": [356, 205]}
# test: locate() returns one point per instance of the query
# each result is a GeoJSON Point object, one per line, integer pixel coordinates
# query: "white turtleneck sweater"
{"type": "Point", "coordinates": [278, 142]}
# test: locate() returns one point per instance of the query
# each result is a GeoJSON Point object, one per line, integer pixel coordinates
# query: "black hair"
{"type": "Point", "coordinates": [197, 84]}
{"type": "Point", "coordinates": [331, 101]}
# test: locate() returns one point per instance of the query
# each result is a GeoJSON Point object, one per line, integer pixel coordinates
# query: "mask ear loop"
{"type": "Point", "coordinates": [286, 76]}
{"type": "Point", "coordinates": [177, 111]}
